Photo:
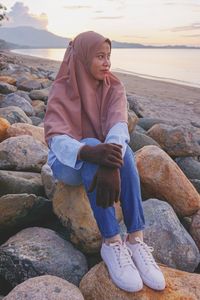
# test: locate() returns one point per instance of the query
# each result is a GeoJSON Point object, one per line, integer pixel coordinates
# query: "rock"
{"type": "Point", "coordinates": [45, 287]}
{"type": "Point", "coordinates": [4, 125]}
{"type": "Point", "coordinates": [29, 85]}
{"type": "Point", "coordinates": [196, 184]}
{"type": "Point", "coordinates": [6, 88]}
{"type": "Point", "coordinates": [172, 244]}
{"type": "Point", "coordinates": [146, 123]}
{"type": "Point", "coordinates": [18, 129]}
{"type": "Point", "coordinates": [36, 120]}
{"type": "Point", "coordinates": [38, 251]}
{"type": "Point", "coordinates": [139, 129]}
{"type": "Point", "coordinates": [189, 166]}
{"type": "Point", "coordinates": [195, 228]}
{"type": "Point", "coordinates": [176, 141]}
{"type": "Point", "coordinates": [24, 95]}
{"type": "Point", "coordinates": [161, 178]}
{"type": "Point", "coordinates": [71, 205]}
{"type": "Point", "coordinates": [18, 210]}
{"type": "Point", "coordinates": [15, 100]}
{"type": "Point", "coordinates": [97, 285]}
{"type": "Point", "coordinates": [14, 114]}
{"type": "Point", "coordinates": [39, 94]}
{"type": "Point", "coordinates": [48, 181]}
{"type": "Point", "coordinates": [8, 79]}
{"type": "Point", "coordinates": [22, 153]}
{"type": "Point", "coordinates": [134, 105]}
{"type": "Point", "coordinates": [132, 120]}
{"type": "Point", "coordinates": [39, 108]}
{"type": "Point", "coordinates": [12, 182]}
{"type": "Point", "coordinates": [139, 140]}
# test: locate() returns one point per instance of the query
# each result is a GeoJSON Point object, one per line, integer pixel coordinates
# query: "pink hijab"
{"type": "Point", "coordinates": [76, 106]}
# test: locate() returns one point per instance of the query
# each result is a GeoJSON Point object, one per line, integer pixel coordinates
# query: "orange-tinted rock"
{"type": "Point", "coordinates": [71, 205]}
{"type": "Point", "coordinates": [161, 178]}
{"type": "Point", "coordinates": [17, 129]}
{"type": "Point", "coordinates": [4, 125]}
{"type": "Point", "coordinates": [8, 79]}
{"type": "Point", "coordinates": [97, 285]}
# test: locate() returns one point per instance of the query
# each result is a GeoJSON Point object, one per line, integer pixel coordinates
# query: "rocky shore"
{"type": "Point", "coordinates": [49, 241]}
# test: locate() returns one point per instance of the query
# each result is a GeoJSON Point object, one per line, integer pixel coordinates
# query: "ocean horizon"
{"type": "Point", "coordinates": [180, 66]}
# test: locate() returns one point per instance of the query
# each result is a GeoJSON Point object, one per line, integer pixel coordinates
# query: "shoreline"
{"type": "Point", "coordinates": [158, 99]}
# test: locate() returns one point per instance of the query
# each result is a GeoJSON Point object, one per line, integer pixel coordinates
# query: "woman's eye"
{"type": "Point", "coordinates": [100, 56]}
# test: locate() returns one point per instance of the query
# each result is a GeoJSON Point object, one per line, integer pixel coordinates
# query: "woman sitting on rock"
{"type": "Point", "coordinates": [86, 130]}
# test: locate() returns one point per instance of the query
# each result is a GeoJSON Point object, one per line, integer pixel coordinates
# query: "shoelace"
{"type": "Point", "coordinates": [148, 257]}
{"type": "Point", "coordinates": [123, 254]}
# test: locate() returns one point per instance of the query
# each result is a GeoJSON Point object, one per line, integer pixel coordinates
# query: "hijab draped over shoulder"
{"type": "Point", "coordinates": [77, 106]}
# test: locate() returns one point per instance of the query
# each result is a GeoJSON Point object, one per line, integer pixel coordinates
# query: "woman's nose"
{"type": "Point", "coordinates": [106, 62]}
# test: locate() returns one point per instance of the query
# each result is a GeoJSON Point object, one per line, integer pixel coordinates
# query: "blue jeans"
{"type": "Point", "coordinates": [130, 197]}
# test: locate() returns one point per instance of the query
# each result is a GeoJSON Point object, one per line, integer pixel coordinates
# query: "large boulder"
{"type": "Point", "coordinates": [139, 140]}
{"type": "Point", "coordinates": [48, 180]}
{"type": "Point", "coordinates": [14, 114]}
{"type": "Point", "coordinates": [6, 88]}
{"type": "Point", "coordinates": [147, 122]}
{"type": "Point", "coordinates": [17, 210]}
{"type": "Point", "coordinates": [39, 94]}
{"type": "Point", "coordinates": [12, 182]}
{"type": "Point", "coordinates": [176, 141]}
{"type": "Point", "coordinates": [22, 153]}
{"type": "Point", "coordinates": [97, 285]}
{"type": "Point", "coordinates": [16, 100]}
{"type": "Point", "coordinates": [45, 287]}
{"type": "Point", "coordinates": [194, 228]}
{"type": "Point", "coordinates": [38, 251]}
{"type": "Point", "coordinates": [173, 246]}
{"type": "Point", "coordinates": [71, 205]}
{"type": "Point", "coordinates": [161, 178]}
{"type": "Point", "coordinates": [189, 166]}
{"type": "Point", "coordinates": [26, 129]}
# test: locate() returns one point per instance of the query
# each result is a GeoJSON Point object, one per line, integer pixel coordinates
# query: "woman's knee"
{"type": "Point", "coordinates": [91, 141]}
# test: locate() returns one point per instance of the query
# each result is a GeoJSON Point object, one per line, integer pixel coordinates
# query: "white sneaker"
{"type": "Point", "coordinates": [146, 265]}
{"type": "Point", "coordinates": [122, 270]}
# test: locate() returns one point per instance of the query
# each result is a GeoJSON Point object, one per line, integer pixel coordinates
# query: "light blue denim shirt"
{"type": "Point", "coordinates": [66, 149]}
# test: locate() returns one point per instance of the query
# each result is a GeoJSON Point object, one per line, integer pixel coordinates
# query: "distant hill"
{"type": "Point", "coordinates": [29, 37]}
{"type": "Point", "coordinates": [32, 37]}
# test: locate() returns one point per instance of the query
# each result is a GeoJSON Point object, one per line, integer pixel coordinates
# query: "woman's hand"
{"type": "Point", "coordinates": [107, 182]}
{"type": "Point", "coordinates": [109, 155]}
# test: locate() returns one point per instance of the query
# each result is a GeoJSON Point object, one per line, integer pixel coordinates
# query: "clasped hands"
{"type": "Point", "coordinates": [107, 178]}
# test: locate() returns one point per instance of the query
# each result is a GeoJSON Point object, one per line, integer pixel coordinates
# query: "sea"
{"type": "Point", "coordinates": [181, 66]}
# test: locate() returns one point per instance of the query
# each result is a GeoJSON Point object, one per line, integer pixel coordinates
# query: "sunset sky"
{"type": "Point", "coordinates": [154, 22]}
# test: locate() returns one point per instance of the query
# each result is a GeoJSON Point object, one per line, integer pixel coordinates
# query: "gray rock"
{"type": "Point", "coordinates": [134, 105]}
{"type": "Point", "coordinates": [12, 182]}
{"type": "Point", "coordinates": [189, 166]}
{"type": "Point", "coordinates": [146, 123]}
{"type": "Point", "coordinates": [22, 153]}
{"type": "Point", "coordinates": [38, 251]}
{"type": "Point", "coordinates": [24, 95]}
{"type": "Point", "coordinates": [139, 140]}
{"type": "Point", "coordinates": [17, 210]}
{"type": "Point", "coordinates": [39, 94]}
{"type": "Point", "coordinates": [46, 287]}
{"type": "Point", "coordinates": [29, 85]}
{"type": "Point", "coordinates": [52, 76]}
{"type": "Point", "coordinates": [196, 184]}
{"type": "Point", "coordinates": [139, 129]}
{"type": "Point", "coordinates": [172, 244]}
{"type": "Point", "coordinates": [16, 100]}
{"type": "Point", "coordinates": [35, 120]}
{"type": "Point", "coordinates": [48, 181]}
{"type": "Point", "coordinates": [6, 88]}
{"type": "Point", "coordinates": [14, 114]}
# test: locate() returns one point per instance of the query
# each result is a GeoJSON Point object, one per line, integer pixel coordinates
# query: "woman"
{"type": "Point", "coordinates": [86, 130]}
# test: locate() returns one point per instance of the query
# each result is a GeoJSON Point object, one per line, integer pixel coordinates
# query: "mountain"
{"type": "Point", "coordinates": [29, 37]}
{"type": "Point", "coordinates": [32, 37]}
{"type": "Point", "coordinates": [5, 45]}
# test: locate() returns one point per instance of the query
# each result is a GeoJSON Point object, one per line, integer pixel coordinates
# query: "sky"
{"type": "Point", "coordinates": [150, 22]}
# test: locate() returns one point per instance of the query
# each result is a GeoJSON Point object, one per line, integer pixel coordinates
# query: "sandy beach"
{"type": "Point", "coordinates": [160, 99]}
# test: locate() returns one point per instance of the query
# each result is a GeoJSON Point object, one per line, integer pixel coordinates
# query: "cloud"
{"type": "Point", "coordinates": [108, 18]}
{"type": "Point", "coordinates": [193, 26]}
{"type": "Point", "coordinates": [73, 7]}
{"type": "Point", "coordinates": [135, 36]}
{"type": "Point", "coordinates": [20, 16]}
{"type": "Point", "coordinates": [191, 35]}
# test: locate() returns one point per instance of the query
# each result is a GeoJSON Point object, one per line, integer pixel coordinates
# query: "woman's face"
{"type": "Point", "coordinates": [100, 64]}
